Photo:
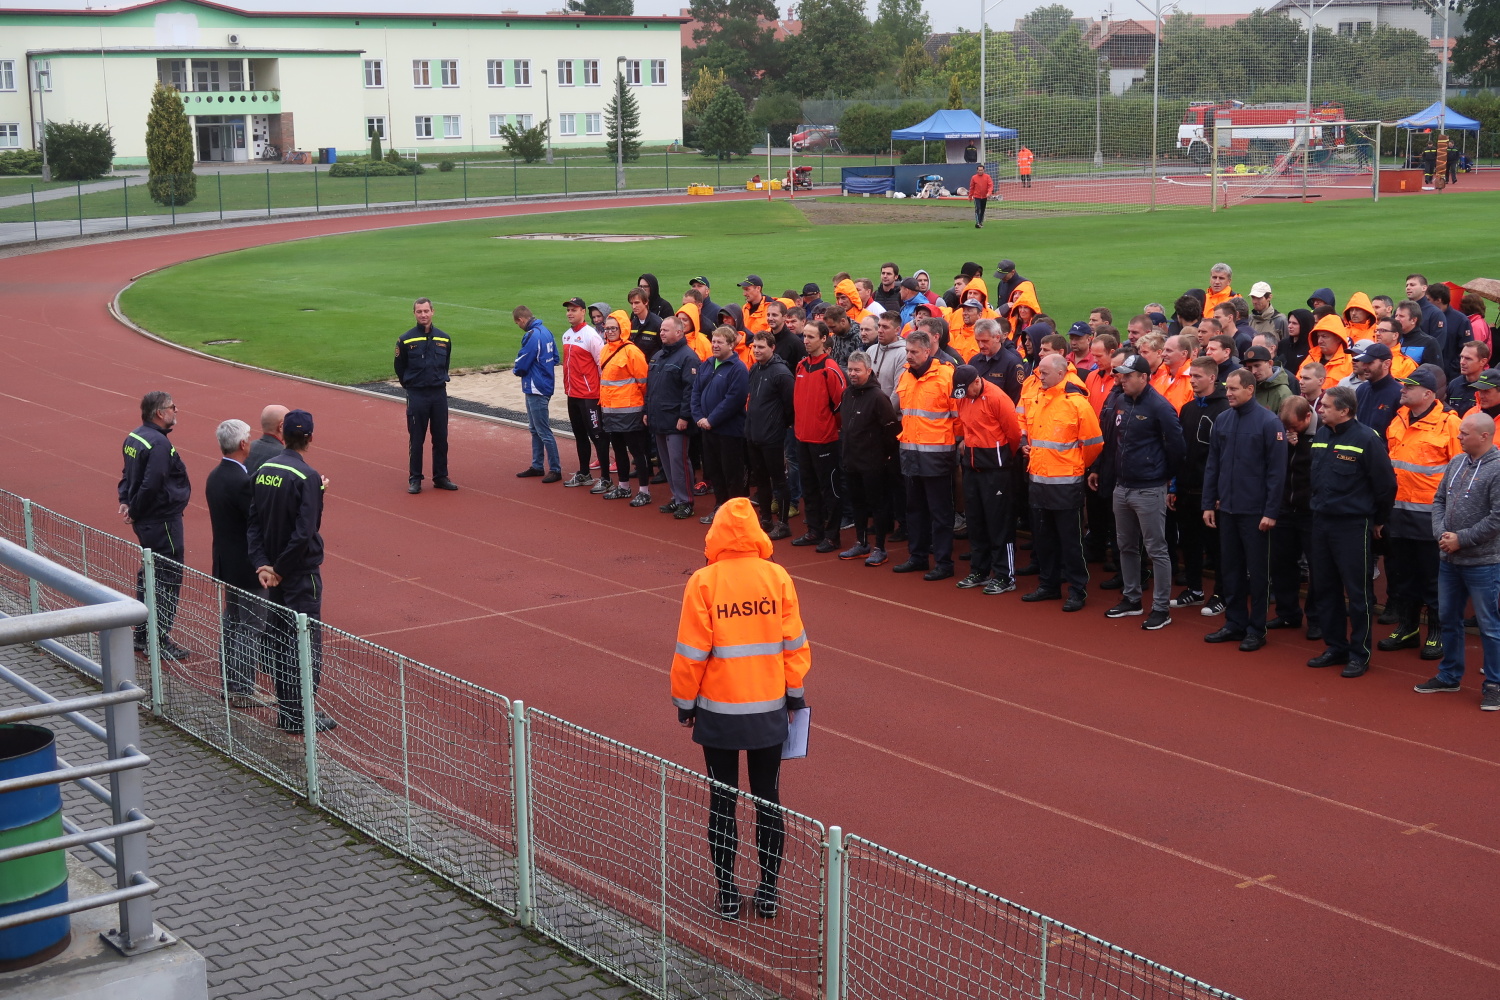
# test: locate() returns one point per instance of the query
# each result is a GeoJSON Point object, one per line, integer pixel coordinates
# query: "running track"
{"type": "Point", "coordinates": [1140, 786]}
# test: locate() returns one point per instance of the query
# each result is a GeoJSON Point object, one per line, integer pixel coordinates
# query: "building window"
{"type": "Point", "coordinates": [633, 72]}
{"type": "Point", "coordinates": [206, 74]}
{"type": "Point", "coordinates": [421, 73]}
{"type": "Point", "coordinates": [10, 132]}
{"type": "Point", "coordinates": [567, 124]}
{"type": "Point", "coordinates": [236, 74]}
{"type": "Point", "coordinates": [497, 122]}
{"type": "Point", "coordinates": [524, 122]}
{"type": "Point", "coordinates": [591, 124]}
{"type": "Point", "coordinates": [453, 126]}
{"type": "Point", "coordinates": [375, 126]}
{"type": "Point", "coordinates": [1350, 28]}
{"type": "Point", "coordinates": [520, 73]}
{"type": "Point", "coordinates": [424, 127]}
{"type": "Point", "coordinates": [658, 72]}
{"type": "Point", "coordinates": [495, 69]}
{"type": "Point", "coordinates": [8, 74]}
{"type": "Point", "coordinates": [171, 73]}
{"type": "Point", "coordinates": [591, 72]}
{"type": "Point", "coordinates": [374, 73]}
{"type": "Point", "coordinates": [565, 72]}
{"type": "Point", "coordinates": [40, 66]}
{"type": "Point", "coordinates": [449, 69]}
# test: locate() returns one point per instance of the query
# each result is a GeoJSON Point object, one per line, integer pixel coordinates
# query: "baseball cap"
{"type": "Point", "coordinates": [1256, 353]}
{"type": "Point", "coordinates": [699, 280]}
{"type": "Point", "coordinates": [1134, 363]}
{"type": "Point", "coordinates": [754, 279]}
{"type": "Point", "coordinates": [811, 288]}
{"type": "Point", "coordinates": [973, 304]}
{"type": "Point", "coordinates": [1080, 329]}
{"type": "Point", "coordinates": [1157, 319]}
{"type": "Point", "coordinates": [1373, 352]}
{"type": "Point", "coordinates": [1423, 379]}
{"type": "Point", "coordinates": [297, 422]}
{"type": "Point", "coordinates": [575, 301]}
{"type": "Point", "coordinates": [1488, 379]}
{"type": "Point", "coordinates": [1005, 267]}
{"type": "Point", "coordinates": [963, 377]}
{"type": "Point", "coordinates": [1260, 290]}
{"type": "Point", "coordinates": [910, 284]}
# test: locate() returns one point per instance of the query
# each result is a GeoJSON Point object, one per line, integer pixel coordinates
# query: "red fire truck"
{"type": "Point", "coordinates": [1197, 128]}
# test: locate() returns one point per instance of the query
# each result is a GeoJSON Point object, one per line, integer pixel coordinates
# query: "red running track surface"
{"type": "Point", "coordinates": [1276, 831]}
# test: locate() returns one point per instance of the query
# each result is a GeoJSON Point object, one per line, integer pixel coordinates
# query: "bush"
{"type": "Point", "coordinates": [445, 167]}
{"type": "Point", "coordinates": [79, 152]}
{"type": "Point", "coordinates": [169, 149]}
{"type": "Point", "coordinates": [375, 153]}
{"type": "Point", "coordinates": [381, 168]}
{"type": "Point", "coordinates": [529, 144]}
{"type": "Point", "coordinates": [726, 126]}
{"type": "Point", "coordinates": [15, 162]}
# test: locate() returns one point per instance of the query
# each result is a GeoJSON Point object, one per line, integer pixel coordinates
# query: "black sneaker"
{"type": "Point", "coordinates": [729, 904]}
{"type": "Point", "coordinates": [1116, 582]}
{"type": "Point", "coordinates": [169, 650]}
{"type": "Point", "coordinates": [1213, 606]}
{"type": "Point", "coordinates": [999, 585]}
{"type": "Point", "coordinates": [683, 512]}
{"type": "Point", "coordinates": [1156, 620]}
{"type": "Point", "coordinates": [779, 531]}
{"type": "Point", "coordinates": [898, 536]}
{"type": "Point", "coordinates": [827, 545]}
{"type": "Point", "coordinates": [579, 479]}
{"type": "Point", "coordinates": [670, 507]}
{"type": "Point", "coordinates": [530, 473]}
{"type": "Point", "coordinates": [809, 538]}
{"type": "Point", "coordinates": [621, 493]}
{"type": "Point", "coordinates": [1489, 698]}
{"type": "Point", "coordinates": [971, 581]}
{"type": "Point", "coordinates": [1125, 607]}
{"type": "Point", "coordinates": [1437, 686]}
{"type": "Point", "coordinates": [641, 499]}
{"type": "Point", "coordinates": [1188, 598]}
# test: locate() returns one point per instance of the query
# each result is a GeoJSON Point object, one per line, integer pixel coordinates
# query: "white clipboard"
{"type": "Point", "coordinates": [799, 722]}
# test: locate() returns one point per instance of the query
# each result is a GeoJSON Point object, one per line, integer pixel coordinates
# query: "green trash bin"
{"type": "Point", "coordinates": [26, 817]}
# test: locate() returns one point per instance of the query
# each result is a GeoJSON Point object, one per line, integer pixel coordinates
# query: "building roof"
{"type": "Point", "coordinates": [393, 15]}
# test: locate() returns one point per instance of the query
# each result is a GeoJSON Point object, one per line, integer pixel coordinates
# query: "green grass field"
{"type": "Point", "coordinates": [331, 307]}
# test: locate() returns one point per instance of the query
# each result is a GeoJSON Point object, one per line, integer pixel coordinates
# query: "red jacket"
{"type": "Point", "coordinates": [581, 351]}
{"type": "Point", "coordinates": [980, 186]}
{"type": "Point", "coordinates": [816, 397]}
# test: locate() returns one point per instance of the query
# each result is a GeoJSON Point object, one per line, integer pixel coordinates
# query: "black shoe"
{"type": "Point", "coordinates": [321, 723]}
{"type": "Point", "coordinates": [1116, 582]}
{"type": "Point", "coordinates": [444, 483]}
{"type": "Point", "coordinates": [414, 487]}
{"type": "Point", "coordinates": [1437, 686]}
{"type": "Point", "coordinates": [1251, 643]}
{"type": "Point", "coordinates": [1329, 658]}
{"type": "Point", "coordinates": [1489, 698]}
{"type": "Point", "coordinates": [765, 902]}
{"type": "Point", "coordinates": [1156, 620]}
{"type": "Point", "coordinates": [999, 585]}
{"type": "Point", "coordinates": [683, 512]}
{"type": "Point", "coordinates": [1075, 602]}
{"type": "Point", "coordinates": [1432, 649]}
{"type": "Point", "coordinates": [1355, 669]}
{"type": "Point", "coordinates": [729, 904]}
{"type": "Point", "coordinates": [808, 539]}
{"type": "Point", "coordinates": [1405, 637]}
{"type": "Point", "coordinates": [640, 499]}
{"type": "Point", "coordinates": [827, 545]}
{"type": "Point", "coordinates": [938, 573]}
{"type": "Point", "coordinates": [531, 473]}
{"type": "Point", "coordinates": [897, 536]}
{"type": "Point", "coordinates": [670, 507]}
{"type": "Point", "coordinates": [1281, 621]}
{"type": "Point", "coordinates": [658, 477]}
{"type": "Point", "coordinates": [169, 650]}
{"type": "Point", "coordinates": [1389, 615]}
{"type": "Point", "coordinates": [1041, 594]}
{"type": "Point", "coordinates": [910, 566]}
{"type": "Point", "coordinates": [1225, 634]}
{"type": "Point", "coordinates": [1124, 608]}
{"type": "Point", "coordinates": [1030, 570]}
{"type": "Point", "coordinates": [1314, 631]}
{"type": "Point", "coordinates": [702, 489]}
{"type": "Point", "coordinates": [971, 581]}
{"type": "Point", "coordinates": [709, 517]}
{"type": "Point", "coordinates": [552, 476]}
{"type": "Point", "coordinates": [779, 531]}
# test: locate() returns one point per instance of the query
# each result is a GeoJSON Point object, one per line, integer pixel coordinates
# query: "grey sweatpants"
{"type": "Point", "coordinates": [1142, 515]}
{"type": "Point", "coordinates": [672, 450]}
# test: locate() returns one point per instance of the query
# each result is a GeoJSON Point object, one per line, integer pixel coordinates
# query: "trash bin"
{"type": "Point", "coordinates": [26, 817]}
{"type": "Point", "coordinates": [333, 155]}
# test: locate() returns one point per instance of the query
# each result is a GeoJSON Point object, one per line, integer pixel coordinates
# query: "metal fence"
{"type": "Point", "coordinates": [598, 845]}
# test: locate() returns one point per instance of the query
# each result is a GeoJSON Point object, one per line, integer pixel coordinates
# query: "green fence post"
{"type": "Point", "coordinates": [1042, 986]}
{"type": "Point", "coordinates": [367, 187]}
{"type": "Point", "coordinates": [667, 158]}
{"type": "Point", "coordinates": [219, 177]}
{"type": "Point", "coordinates": [833, 919]}
{"type": "Point", "coordinates": [153, 641]}
{"type": "Point", "coordinates": [718, 173]}
{"type": "Point", "coordinates": [33, 586]}
{"type": "Point", "coordinates": [414, 196]}
{"type": "Point", "coordinates": [172, 195]}
{"type": "Point", "coordinates": [565, 174]}
{"type": "Point", "coordinates": [125, 190]}
{"type": "Point", "coordinates": [317, 205]}
{"type": "Point", "coordinates": [309, 717]}
{"type": "Point", "coordinates": [515, 180]}
{"type": "Point", "coordinates": [466, 180]}
{"type": "Point", "coordinates": [35, 233]}
{"type": "Point", "coordinates": [520, 777]}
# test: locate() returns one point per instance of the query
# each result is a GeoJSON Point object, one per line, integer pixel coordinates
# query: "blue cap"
{"type": "Point", "coordinates": [297, 422]}
{"type": "Point", "coordinates": [1080, 329]}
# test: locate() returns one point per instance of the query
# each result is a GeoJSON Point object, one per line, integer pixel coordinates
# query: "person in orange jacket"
{"type": "Point", "coordinates": [1219, 278]}
{"type": "Point", "coordinates": [1024, 159]}
{"type": "Point", "coordinates": [980, 189]}
{"type": "Point", "coordinates": [1331, 351]}
{"type": "Point", "coordinates": [622, 405]}
{"type": "Point", "coordinates": [739, 668]}
{"type": "Point", "coordinates": [753, 313]}
{"type": "Point", "coordinates": [688, 314]}
{"type": "Point", "coordinates": [991, 439]}
{"type": "Point", "coordinates": [1359, 318]}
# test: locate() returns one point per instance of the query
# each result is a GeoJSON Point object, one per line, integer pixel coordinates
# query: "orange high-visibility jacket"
{"type": "Point", "coordinates": [1360, 331]}
{"type": "Point", "coordinates": [1032, 388]}
{"type": "Point", "coordinates": [742, 652]}
{"type": "Point", "coordinates": [622, 379]}
{"type": "Point", "coordinates": [755, 317]}
{"type": "Point", "coordinates": [1421, 449]}
{"type": "Point", "coordinates": [929, 420]}
{"type": "Point", "coordinates": [1065, 439]}
{"type": "Point", "coordinates": [1024, 158]}
{"type": "Point", "coordinates": [1401, 365]}
{"type": "Point", "coordinates": [1175, 387]}
{"type": "Point", "coordinates": [1213, 298]}
{"type": "Point", "coordinates": [1337, 368]}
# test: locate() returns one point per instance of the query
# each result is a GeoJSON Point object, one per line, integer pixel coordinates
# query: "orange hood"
{"type": "Point", "coordinates": [736, 528]}
{"type": "Point", "coordinates": [976, 286]}
{"type": "Point", "coordinates": [1359, 300]}
{"type": "Point", "coordinates": [691, 311]}
{"type": "Point", "coordinates": [1025, 295]}
{"type": "Point", "coordinates": [1334, 324]}
{"type": "Point", "coordinates": [623, 318]}
{"type": "Point", "coordinates": [846, 287]}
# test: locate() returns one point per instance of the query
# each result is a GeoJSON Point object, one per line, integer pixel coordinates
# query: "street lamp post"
{"type": "Point", "coordinates": [1098, 112]}
{"type": "Point", "coordinates": [619, 123]}
{"type": "Point", "coordinates": [547, 99]}
{"type": "Point", "coordinates": [43, 81]}
{"type": "Point", "coordinates": [1155, 88]}
{"type": "Point", "coordinates": [1312, 29]}
{"type": "Point", "coordinates": [983, 109]}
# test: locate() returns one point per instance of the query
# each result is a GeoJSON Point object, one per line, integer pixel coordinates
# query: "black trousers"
{"type": "Point", "coordinates": [630, 446]}
{"type": "Point", "coordinates": [427, 409]}
{"type": "Point", "coordinates": [870, 492]}
{"type": "Point", "coordinates": [1411, 578]}
{"type": "Point", "coordinates": [302, 592]}
{"type": "Point", "coordinates": [1195, 540]}
{"type": "Point", "coordinates": [1099, 508]}
{"type": "Point", "coordinates": [1290, 541]}
{"type": "Point", "coordinates": [1342, 591]}
{"type": "Point", "coordinates": [584, 417]}
{"type": "Point", "coordinates": [241, 627]}
{"type": "Point", "coordinates": [1057, 543]}
{"type": "Point", "coordinates": [767, 477]}
{"type": "Point", "coordinates": [821, 499]}
{"type": "Point", "coordinates": [1244, 571]}
{"type": "Point", "coordinates": [929, 519]}
{"type": "Point", "coordinates": [979, 206]}
{"type": "Point", "coordinates": [764, 766]}
{"type": "Point", "coordinates": [163, 538]}
{"type": "Point", "coordinates": [724, 465]}
{"type": "Point", "coordinates": [987, 500]}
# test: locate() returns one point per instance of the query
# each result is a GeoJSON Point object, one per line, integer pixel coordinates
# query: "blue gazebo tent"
{"type": "Point", "coordinates": [954, 128]}
{"type": "Point", "coordinates": [1439, 116]}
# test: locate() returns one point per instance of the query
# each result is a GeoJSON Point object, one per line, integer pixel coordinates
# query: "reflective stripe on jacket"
{"type": "Point", "coordinates": [622, 383]}
{"type": "Point", "coordinates": [929, 418]}
{"type": "Point", "coordinates": [1421, 448]}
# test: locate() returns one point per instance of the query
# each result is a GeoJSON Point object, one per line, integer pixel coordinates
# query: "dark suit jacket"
{"type": "Point", "coordinates": [228, 495]}
{"type": "Point", "coordinates": [262, 451]}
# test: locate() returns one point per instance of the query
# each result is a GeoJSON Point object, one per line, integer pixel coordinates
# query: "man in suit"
{"type": "Point", "coordinates": [269, 445]}
{"type": "Point", "coordinates": [228, 494]}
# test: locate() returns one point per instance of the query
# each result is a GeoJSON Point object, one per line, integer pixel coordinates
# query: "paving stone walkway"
{"type": "Point", "coordinates": [284, 903]}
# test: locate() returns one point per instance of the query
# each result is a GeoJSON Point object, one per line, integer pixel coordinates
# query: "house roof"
{"type": "Point", "coordinates": [413, 16]}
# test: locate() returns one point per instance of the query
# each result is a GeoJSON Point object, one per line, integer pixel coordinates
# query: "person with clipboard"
{"type": "Point", "coordinates": [738, 671]}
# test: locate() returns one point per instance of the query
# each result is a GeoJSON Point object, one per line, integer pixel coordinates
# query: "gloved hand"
{"type": "Point", "coordinates": [687, 716]}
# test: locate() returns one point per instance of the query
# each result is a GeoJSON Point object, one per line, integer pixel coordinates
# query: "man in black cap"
{"type": "Point", "coordinates": [991, 434]}
{"type": "Point", "coordinates": [422, 355]}
{"type": "Point", "coordinates": [286, 549]}
{"type": "Point", "coordinates": [1379, 395]}
{"type": "Point", "coordinates": [812, 298]}
{"type": "Point", "coordinates": [1487, 393]}
{"type": "Point", "coordinates": [153, 492]}
{"type": "Point", "coordinates": [1272, 386]}
{"type": "Point", "coordinates": [709, 309]}
{"type": "Point", "coordinates": [753, 313]}
{"type": "Point", "coordinates": [1006, 280]}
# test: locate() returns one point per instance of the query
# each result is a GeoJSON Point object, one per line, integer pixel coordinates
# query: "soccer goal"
{"type": "Point", "coordinates": [1295, 160]}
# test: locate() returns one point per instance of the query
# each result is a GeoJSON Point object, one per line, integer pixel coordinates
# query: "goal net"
{"type": "Point", "coordinates": [1299, 159]}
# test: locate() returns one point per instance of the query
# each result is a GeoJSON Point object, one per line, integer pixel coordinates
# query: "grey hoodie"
{"type": "Point", "coordinates": [1468, 504]}
{"type": "Point", "coordinates": [603, 308]}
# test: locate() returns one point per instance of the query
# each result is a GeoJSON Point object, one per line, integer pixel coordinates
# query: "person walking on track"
{"type": "Point", "coordinates": [741, 658]}
{"type": "Point", "coordinates": [422, 356]}
{"type": "Point", "coordinates": [153, 492]}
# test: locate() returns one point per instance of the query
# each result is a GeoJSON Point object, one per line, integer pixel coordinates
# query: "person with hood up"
{"type": "Point", "coordinates": [1331, 351]}
{"type": "Point", "coordinates": [1323, 295]}
{"type": "Point", "coordinates": [1293, 349]}
{"type": "Point", "coordinates": [688, 315]}
{"type": "Point", "coordinates": [597, 312]}
{"type": "Point", "coordinates": [924, 286]}
{"type": "Point", "coordinates": [622, 405]}
{"type": "Point", "coordinates": [846, 294]}
{"type": "Point", "coordinates": [739, 668]}
{"type": "Point", "coordinates": [719, 395]}
{"type": "Point", "coordinates": [1023, 311]}
{"type": "Point", "coordinates": [1359, 317]}
{"type": "Point", "coordinates": [869, 454]}
{"type": "Point", "coordinates": [655, 304]}
{"type": "Point", "coordinates": [768, 421]}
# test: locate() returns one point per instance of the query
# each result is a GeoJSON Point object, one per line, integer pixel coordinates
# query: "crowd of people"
{"type": "Point", "coordinates": [1324, 445]}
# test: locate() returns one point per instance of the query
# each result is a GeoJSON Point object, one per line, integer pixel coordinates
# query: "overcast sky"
{"type": "Point", "coordinates": [946, 15]}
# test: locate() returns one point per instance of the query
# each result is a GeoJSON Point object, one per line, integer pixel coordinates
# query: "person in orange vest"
{"type": "Point", "coordinates": [1062, 439]}
{"type": "Point", "coordinates": [1423, 439]}
{"type": "Point", "coordinates": [622, 407]}
{"type": "Point", "coordinates": [753, 313]}
{"type": "Point", "coordinates": [980, 189]}
{"type": "Point", "coordinates": [1172, 377]}
{"type": "Point", "coordinates": [742, 656]}
{"type": "Point", "coordinates": [1024, 158]}
{"type": "Point", "coordinates": [1219, 277]}
{"type": "Point", "coordinates": [929, 417]}
{"type": "Point", "coordinates": [1332, 351]}
{"type": "Point", "coordinates": [991, 440]}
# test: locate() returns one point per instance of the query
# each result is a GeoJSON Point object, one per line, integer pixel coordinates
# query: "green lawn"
{"type": "Point", "coordinates": [16, 185]}
{"type": "Point", "coordinates": [332, 307]}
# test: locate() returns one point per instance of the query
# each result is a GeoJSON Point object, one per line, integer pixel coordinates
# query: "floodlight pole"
{"type": "Point", "coordinates": [619, 124]}
{"type": "Point", "coordinates": [547, 98]}
{"type": "Point", "coordinates": [983, 109]}
{"type": "Point", "coordinates": [1155, 87]}
{"type": "Point", "coordinates": [43, 81]}
{"type": "Point", "coordinates": [1099, 63]}
{"type": "Point", "coordinates": [1311, 31]}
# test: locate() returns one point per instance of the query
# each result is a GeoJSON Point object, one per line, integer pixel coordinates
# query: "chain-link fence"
{"type": "Point", "coordinates": [614, 853]}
